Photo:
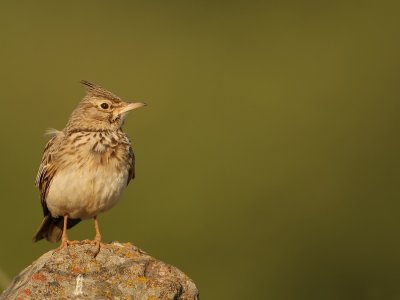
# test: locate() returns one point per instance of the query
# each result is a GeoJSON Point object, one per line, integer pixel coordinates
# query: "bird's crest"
{"type": "Point", "coordinates": [94, 90]}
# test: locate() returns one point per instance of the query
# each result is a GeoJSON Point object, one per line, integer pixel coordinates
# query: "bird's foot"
{"type": "Point", "coordinates": [74, 242]}
{"type": "Point", "coordinates": [98, 244]}
{"type": "Point", "coordinates": [65, 242]}
{"type": "Point", "coordinates": [64, 245]}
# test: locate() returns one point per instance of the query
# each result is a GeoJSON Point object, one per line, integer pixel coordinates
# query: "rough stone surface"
{"type": "Point", "coordinates": [119, 271]}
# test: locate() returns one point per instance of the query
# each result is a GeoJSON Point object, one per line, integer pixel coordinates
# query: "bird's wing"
{"type": "Point", "coordinates": [48, 168]}
{"type": "Point", "coordinates": [131, 169]}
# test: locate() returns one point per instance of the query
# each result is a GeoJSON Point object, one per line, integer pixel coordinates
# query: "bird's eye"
{"type": "Point", "coordinates": [104, 105]}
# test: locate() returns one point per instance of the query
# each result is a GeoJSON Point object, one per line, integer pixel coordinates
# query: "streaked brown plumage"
{"type": "Point", "coordinates": [86, 166]}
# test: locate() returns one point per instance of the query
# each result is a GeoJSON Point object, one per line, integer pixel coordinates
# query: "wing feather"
{"type": "Point", "coordinates": [131, 169]}
{"type": "Point", "coordinates": [48, 168]}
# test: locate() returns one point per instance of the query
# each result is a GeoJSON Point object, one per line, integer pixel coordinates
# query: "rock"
{"type": "Point", "coordinates": [119, 271]}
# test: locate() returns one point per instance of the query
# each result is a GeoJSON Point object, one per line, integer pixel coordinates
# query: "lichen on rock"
{"type": "Point", "coordinates": [119, 271]}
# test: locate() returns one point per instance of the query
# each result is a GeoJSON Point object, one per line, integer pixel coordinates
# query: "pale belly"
{"type": "Point", "coordinates": [84, 193]}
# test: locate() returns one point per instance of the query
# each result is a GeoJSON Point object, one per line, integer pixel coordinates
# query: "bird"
{"type": "Point", "coordinates": [86, 166]}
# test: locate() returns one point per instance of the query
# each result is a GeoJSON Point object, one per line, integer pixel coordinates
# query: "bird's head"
{"type": "Point", "coordinates": [100, 110]}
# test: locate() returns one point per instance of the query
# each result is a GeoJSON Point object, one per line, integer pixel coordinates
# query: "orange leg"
{"type": "Point", "coordinates": [64, 238]}
{"type": "Point", "coordinates": [97, 239]}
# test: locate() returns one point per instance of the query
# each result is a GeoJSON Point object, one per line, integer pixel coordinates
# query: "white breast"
{"type": "Point", "coordinates": [85, 192]}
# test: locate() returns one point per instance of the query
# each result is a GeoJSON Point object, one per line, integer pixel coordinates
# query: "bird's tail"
{"type": "Point", "coordinates": [51, 228]}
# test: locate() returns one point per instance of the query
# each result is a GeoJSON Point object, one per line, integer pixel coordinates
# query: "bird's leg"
{"type": "Point", "coordinates": [97, 239]}
{"type": "Point", "coordinates": [64, 237]}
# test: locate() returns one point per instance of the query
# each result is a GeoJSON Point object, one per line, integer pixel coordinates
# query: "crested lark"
{"type": "Point", "coordinates": [86, 166]}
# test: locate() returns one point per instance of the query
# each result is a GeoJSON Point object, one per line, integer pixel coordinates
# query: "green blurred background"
{"type": "Point", "coordinates": [267, 160]}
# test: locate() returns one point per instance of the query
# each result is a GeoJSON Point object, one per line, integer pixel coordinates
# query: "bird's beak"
{"type": "Point", "coordinates": [130, 106]}
{"type": "Point", "coordinates": [127, 106]}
